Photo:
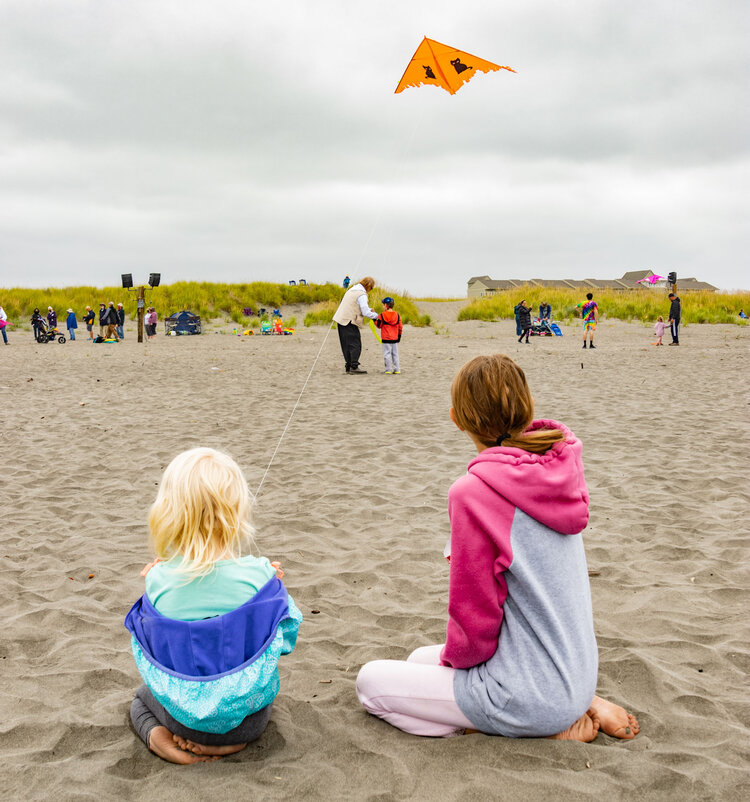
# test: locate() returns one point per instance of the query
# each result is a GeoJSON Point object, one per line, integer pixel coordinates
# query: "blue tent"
{"type": "Point", "coordinates": [184, 322]}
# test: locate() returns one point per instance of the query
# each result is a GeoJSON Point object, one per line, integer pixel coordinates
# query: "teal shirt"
{"type": "Point", "coordinates": [229, 585]}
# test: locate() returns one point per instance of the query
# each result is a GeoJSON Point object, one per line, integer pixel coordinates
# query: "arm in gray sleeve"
{"type": "Point", "coordinates": [365, 309]}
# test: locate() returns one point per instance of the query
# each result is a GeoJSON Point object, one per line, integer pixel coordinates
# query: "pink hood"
{"type": "Point", "coordinates": [549, 487]}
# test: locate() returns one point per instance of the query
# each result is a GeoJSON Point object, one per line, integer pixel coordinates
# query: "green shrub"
{"type": "Point", "coordinates": [634, 305]}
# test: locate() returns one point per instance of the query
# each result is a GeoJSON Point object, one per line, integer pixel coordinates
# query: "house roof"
{"type": "Point", "coordinates": [694, 284]}
{"type": "Point", "coordinates": [633, 276]}
{"type": "Point", "coordinates": [628, 281]}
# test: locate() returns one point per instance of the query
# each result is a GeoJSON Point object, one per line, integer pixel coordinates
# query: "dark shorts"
{"type": "Point", "coordinates": [150, 329]}
{"type": "Point", "coordinates": [89, 327]}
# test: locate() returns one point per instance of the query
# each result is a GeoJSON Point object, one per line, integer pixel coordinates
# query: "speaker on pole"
{"type": "Point", "coordinates": [127, 280]}
{"type": "Point", "coordinates": [154, 279]}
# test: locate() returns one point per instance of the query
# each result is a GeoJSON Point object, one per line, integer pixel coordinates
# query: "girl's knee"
{"type": "Point", "coordinates": [368, 680]}
{"type": "Point", "coordinates": [427, 655]}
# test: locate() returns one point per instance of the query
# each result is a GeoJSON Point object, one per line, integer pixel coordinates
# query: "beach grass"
{"type": "Point", "coordinates": [322, 314]}
{"type": "Point", "coordinates": [207, 299]}
{"type": "Point", "coordinates": [634, 305]}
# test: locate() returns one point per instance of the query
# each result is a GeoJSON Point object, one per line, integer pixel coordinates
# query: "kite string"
{"type": "Point", "coordinates": [291, 415]}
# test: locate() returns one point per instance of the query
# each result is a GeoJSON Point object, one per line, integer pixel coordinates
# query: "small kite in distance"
{"type": "Point", "coordinates": [435, 64]}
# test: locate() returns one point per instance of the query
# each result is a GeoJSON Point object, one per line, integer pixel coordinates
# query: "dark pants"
{"type": "Point", "coordinates": [519, 328]}
{"type": "Point", "coordinates": [146, 713]}
{"type": "Point", "coordinates": [674, 328]}
{"type": "Point", "coordinates": [351, 344]}
{"type": "Point", "coordinates": [524, 333]}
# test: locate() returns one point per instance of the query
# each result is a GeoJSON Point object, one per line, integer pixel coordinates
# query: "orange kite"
{"type": "Point", "coordinates": [434, 64]}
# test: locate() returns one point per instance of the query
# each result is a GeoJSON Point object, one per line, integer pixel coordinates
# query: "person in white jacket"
{"type": "Point", "coordinates": [349, 318]}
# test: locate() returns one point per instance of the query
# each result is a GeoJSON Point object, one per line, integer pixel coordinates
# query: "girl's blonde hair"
{"type": "Point", "coordinates": [491, 400]}
{"type": "Point", "coordinates": [202, 510]}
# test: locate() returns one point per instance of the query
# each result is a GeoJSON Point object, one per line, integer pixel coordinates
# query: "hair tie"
{"type": "Point", "coordinates": [500, 439]}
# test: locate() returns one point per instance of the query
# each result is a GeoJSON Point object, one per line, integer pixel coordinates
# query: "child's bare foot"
{"type": "Point", "coordinates": [161, 743]}
{"type": "Point", "coordinates": [615, 720]}
{"type": "Point", "coordinates": [585, 729]}
{"type": "Point", "coordinates": [202, 749]}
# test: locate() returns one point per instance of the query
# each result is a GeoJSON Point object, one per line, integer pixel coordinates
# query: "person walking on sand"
{"type": "Point", "coordinates": [51, 317]}
{"type": "Point", "coordinates": [120, 313]}
{"type": "Point", "coordinates": [590, 316]}
{"type": "Point", "coordinates": [89, 319]}
{"type": "Point", "coordinates": [389, 323]}
{"type": "Point", "coordinates": [71, 324]}
{"type": "Point", "coordinates": [675, 313]}
{"type": "Point", "coordinates": [524, 321]}
{"type": "Point", "coordinates": [110, 320]}
{"type": "Point", "coordinates": [3, 324]}
{"type": "Point", "coordinates": [349, 318]}
{"type": "Point", "coordinates": [520, 657]}
{"type": "Point", "coordinates": [208, 632]}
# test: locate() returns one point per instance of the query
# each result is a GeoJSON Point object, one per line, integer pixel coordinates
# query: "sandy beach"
{"type": "Point", "coordinates": [354, 505]}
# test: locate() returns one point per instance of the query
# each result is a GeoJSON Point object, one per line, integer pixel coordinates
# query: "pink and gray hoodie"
{"type": "Point", "coordinates": [520, 628]}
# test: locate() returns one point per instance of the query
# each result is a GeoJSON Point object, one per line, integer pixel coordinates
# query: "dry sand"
{"type": "Point", "coordinates": [355, 507]}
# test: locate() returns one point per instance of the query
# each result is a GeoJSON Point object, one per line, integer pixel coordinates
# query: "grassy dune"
{"type": "Point", "coordinates": [206, 299]}
{"type": "Point", "coordinates": [323, 313]}
{"type": "Point", "coordinates": [634, 305]}
{"type": "Point", "coordinates": [210, 299]}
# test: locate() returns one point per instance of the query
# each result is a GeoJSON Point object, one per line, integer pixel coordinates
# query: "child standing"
{"type": "Point", "coordinates": [209, 630]}
{"type": "Point", "coordinates": [659, 328]}
{"type": "Point", "coordinates": [389, 323]}
{"type": "Point", "coordinates": [520, 657]}
{"type": "Point", "coordinates": [71, 324]}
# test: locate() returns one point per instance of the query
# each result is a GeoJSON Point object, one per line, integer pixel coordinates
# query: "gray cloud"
{"type": "Point", "coordinates": [241, 142]}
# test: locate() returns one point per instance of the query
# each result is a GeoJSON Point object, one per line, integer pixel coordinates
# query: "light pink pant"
{"type": "Point", "coordinates": [415, 695]}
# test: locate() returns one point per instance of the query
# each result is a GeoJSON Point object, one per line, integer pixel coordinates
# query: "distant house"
{"type": "Point", "coordinates": [484, 286]}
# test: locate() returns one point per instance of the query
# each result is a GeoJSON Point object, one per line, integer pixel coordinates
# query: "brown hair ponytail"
{"type": "Point", "coordinates": [491, 400]}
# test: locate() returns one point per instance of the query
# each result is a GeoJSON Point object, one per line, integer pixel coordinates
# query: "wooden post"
{"type": "Point", "coordinates": [141, 310]}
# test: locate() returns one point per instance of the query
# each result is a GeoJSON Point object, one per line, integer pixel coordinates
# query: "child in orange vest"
{"type": "Point", "coordinates": [389, 323]}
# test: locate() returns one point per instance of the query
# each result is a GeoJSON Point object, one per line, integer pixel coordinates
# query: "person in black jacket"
{"type": "Point", "coordinates": [108, 321]}
{"type": "Point", "coordinates": [675, 312]}
{"type": "Point", "coordinates": [524, 321]}
{"type": "Point", "coordinates": [89, 319]}
{"type": "Point", "coordinates": [518, 322]}
{"type": "Point", "coordinates": [102, 321]}
{"type": "Point", "coordinates": [37, 322]}
{"type": "Point", "coordinates": [120, 312]}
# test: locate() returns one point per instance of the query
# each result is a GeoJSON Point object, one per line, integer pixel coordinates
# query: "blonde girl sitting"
{"type": "Point", "coordinates": [208, 632]}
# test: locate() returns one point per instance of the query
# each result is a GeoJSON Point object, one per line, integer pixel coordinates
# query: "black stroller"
{"type": "Point", "coordinates": [46, 333]}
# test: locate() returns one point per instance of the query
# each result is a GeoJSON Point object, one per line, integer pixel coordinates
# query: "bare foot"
{"type": "Point", "coordinates": [202, 749]}
{"type": "Point", "coordinates": [160, 743]}
{"type": "Point", "coordinates": [615, 720]}
{"type": "Point", "coordinates": [585, 729]}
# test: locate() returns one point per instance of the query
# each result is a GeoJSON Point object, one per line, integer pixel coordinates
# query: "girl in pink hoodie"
{"type": "Point", "coordinates": [520, 657]}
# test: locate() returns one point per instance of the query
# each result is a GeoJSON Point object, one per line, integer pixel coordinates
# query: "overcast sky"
{"type": "Point", "coordinates": [236, 141]}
